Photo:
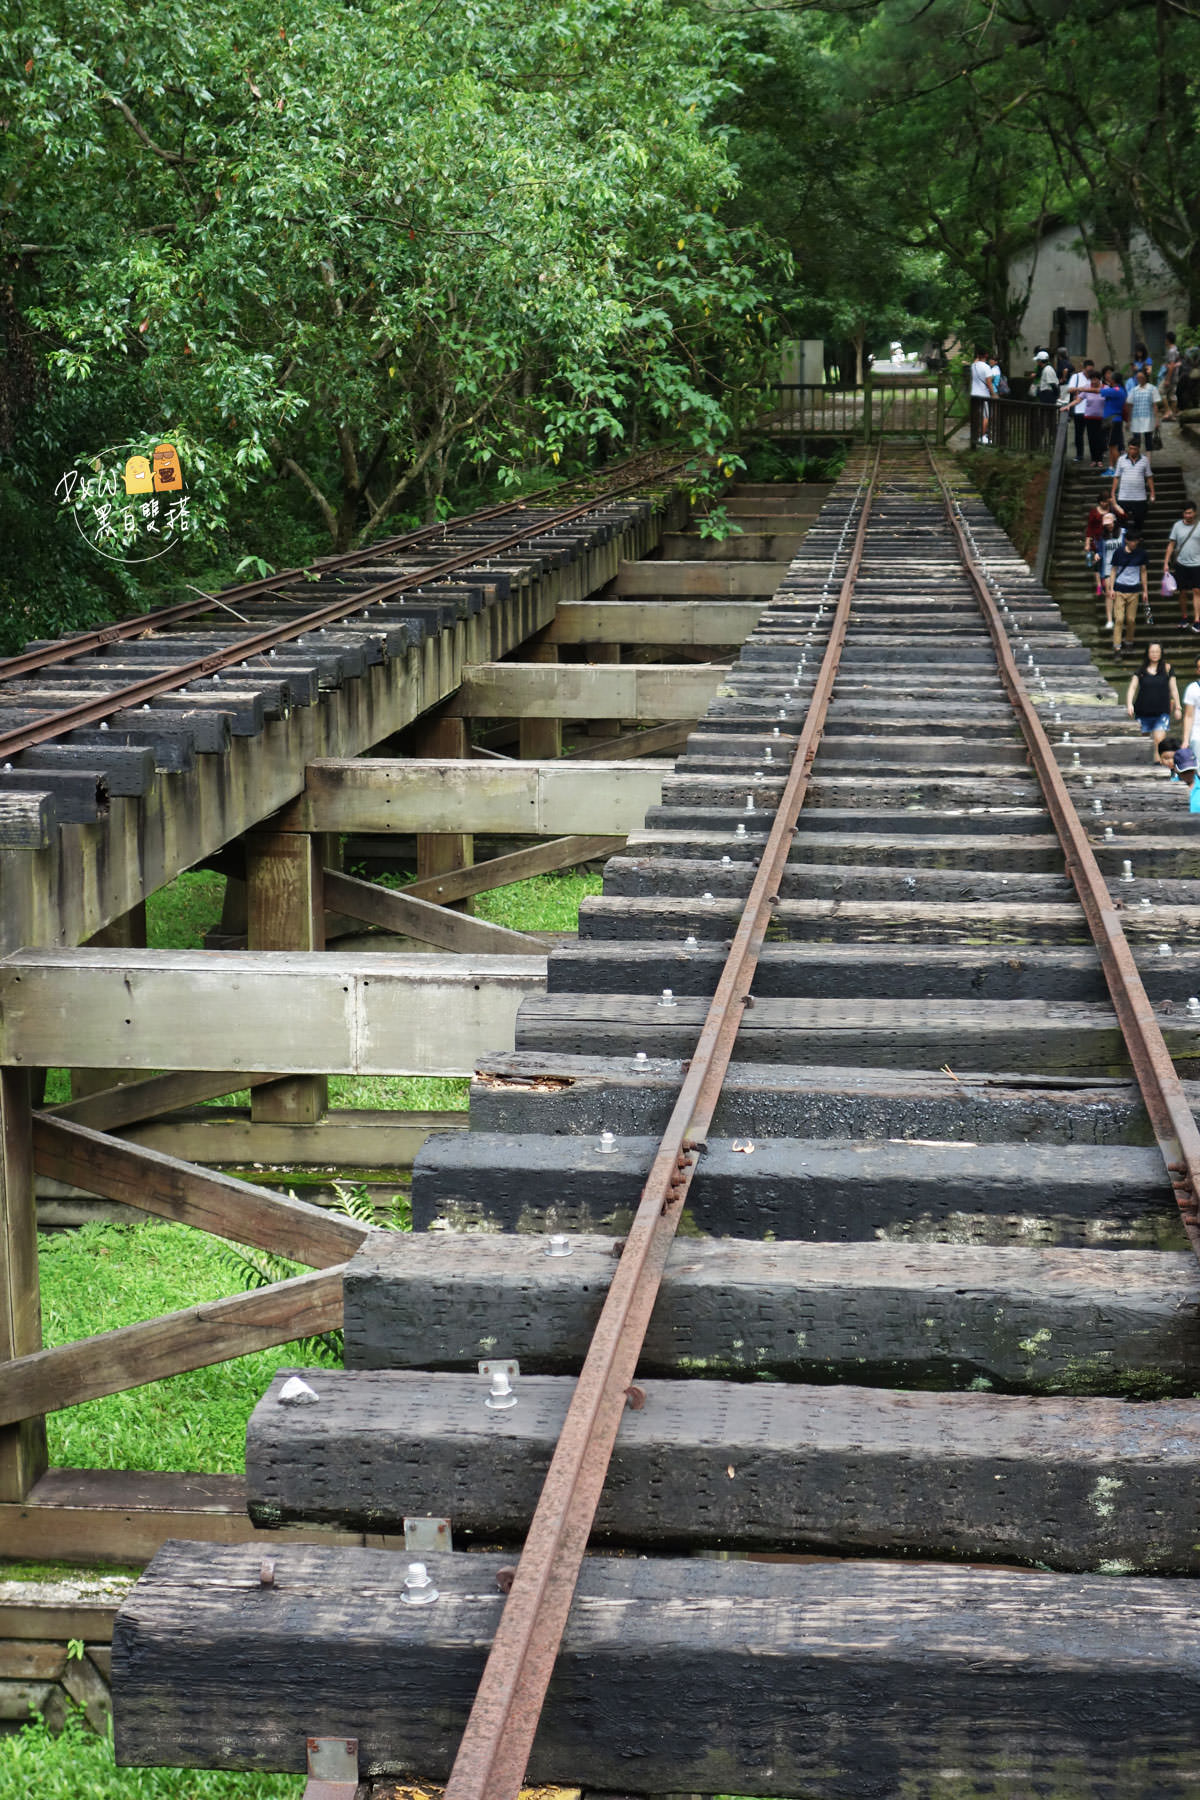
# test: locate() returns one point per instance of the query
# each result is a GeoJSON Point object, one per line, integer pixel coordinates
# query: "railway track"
{"type": "Point", "coordinates": [867, 1067]}
{"type": "Point", "coordinates": [225, 664]}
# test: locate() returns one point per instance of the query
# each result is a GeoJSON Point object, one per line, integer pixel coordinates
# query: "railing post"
{"type": "Point", "coordinates": [868, 398]}
{"type": "Point", "coordinates": [23, 1457]}
{"type": "Point", "coordinates": [941, 407]}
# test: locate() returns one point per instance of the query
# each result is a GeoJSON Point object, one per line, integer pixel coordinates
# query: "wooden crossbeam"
{"type": "Point", "coordinates": [160, 1184]}
{"type": "Point", "coordinates": [710, 577]}
{"type": "Point", "coordinates": [421, 919]}
{"type": "Point", "coordinates": [650, 691]}
{"type": "Point", "coordinates": [308, 1012]}
{"type": "Point", "coordinates": [128, 1104]}
{"type": "Point", "coordinates": [444, 794]}
{"type": "Point", "coordinates": [542, 859]}
{"type": "Point", "coordinates": [655, 621]}
{"type": "Point", "coordinates": [194, 1338]}
{"type": "Point", "coordinates": [656, 740]}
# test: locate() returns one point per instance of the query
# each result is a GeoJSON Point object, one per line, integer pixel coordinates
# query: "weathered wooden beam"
{"type": "Point", "coordinates": [125, 1516]}
{"type": "Point", "coordinates": [670, 576]}
{"type": "Point", "coordinates": [1121, 1322]}
{"type": "Point", "coordinates": [652, 691]}
{"type": "Point", "coordinates": [715, 622]}
{"type": "Point", "coordinates": [370, 1014]}
{"type": "Point", "coordinates": [352, 1139]}
{"type": "Point", "coordinates": [133, 1101]}
{"type": "Point", "coordinates": [539, 736]}
{"type": "Point", "coordinates": [655, 740]}
{"type": "Point", "coordinates": [533, 799]}
{"type": "Point", "coordinates": [541, 859]}
{"type": "Point", "coordinates": [285, 910]}
{"type": "Point", "coordinates": [194, 1338]}
{"type": "Point", "coordinates": [878, 1673]}
{"type": "Point", "coordinates": [126, 933]}
{"type": "Point", "coordinates": [549, 1093]}
{"type": "Point", "coordinates": [422, 919]}
{"type": "Point", "coordinates": [922, 1467]}
{"type": "Point", "coordinates": [819, 1191]}
{"type": "Point", "coordinates": [439, 851]}
{"type": "Point", "coordinates": [23, 1444]}
{"type": "Point", "coordinates": [170, 1189]}
{"type": "Point", "coordinates": [28, 821]}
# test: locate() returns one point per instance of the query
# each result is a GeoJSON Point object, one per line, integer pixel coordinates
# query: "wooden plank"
{"type": "Point", "coordinates": [1055, 1321]}
{"type": "Point", "coordinates": [158, 1184]}
{"type": "Point", "coordinates": [560, 853]}
{"type": "Point", "coordinates": [876, 1673]}
{"type": "Point", "coordinates": [654, 691]}
{"type": "Point", "coordinates": [367, 1014]}
{"type": "Point", "coordinates": [919, 1469]}
{"type": "Point", "coordinates": [133, 1101]}
{"type": "Point", "coordinates": [285, 910]}
{"type": "Point", "coordinates": [538, 737]}
{"type": "Point", "coordinates": [119, 1516]}
{"type": "Point", "coordinates": [710, 622]}
{"type": "Point", "coordinates": [126, 933]}
{"type": "Point", "coordinates": [421, 919]}
{"type": "Point", "coordinates": [438, 852]}
{"type": "Point", "coordinates": [31, 1661]}
{"type": "Point", "coordinates": [23, 1444]}
{"type": "Point", "coordinates": [672, 576]}
{"type": "Point", "coordinates": [385, 1141]}
{"type": "Point", "coordinates": [655, 740]}
{"type": "Point", "coordinates": [533, 799]}
{"type": "Point", "coordinates": [28, 821]}
{"type": "Point", "coordinates": [79, 1606]}
{"type": "Point", "coordinates": [818, 1190]}
{"type": "Point", "coordinates": [195, 1338]}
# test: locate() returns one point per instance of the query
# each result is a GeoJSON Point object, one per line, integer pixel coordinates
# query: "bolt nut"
{"type": "Point", "coordinates": [418, 1588]}
{"type": "Point", "coordinates": [500, 1395]}
{"type": "Point", "coordinates": [666, 998]}
{"type": "Point", "coordinates": [558, 1244]}
{"type": "Point", "coordinates": [608, 1143]}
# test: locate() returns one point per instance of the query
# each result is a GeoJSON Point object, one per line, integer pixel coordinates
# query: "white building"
{"type": "Point", "coordinates": [1098, 305]}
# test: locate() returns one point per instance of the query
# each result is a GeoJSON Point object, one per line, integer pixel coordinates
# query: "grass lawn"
{"type": "Point", "coordinates": [78, 1765]}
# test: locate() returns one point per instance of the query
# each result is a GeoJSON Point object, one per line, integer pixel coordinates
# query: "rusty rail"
{"type": "Point", "coordinates": [168, 680]}
{"type": "Point", "coordinates": [495, 1747]}
{"type": "Point", "coordinates": [1175, 1129]}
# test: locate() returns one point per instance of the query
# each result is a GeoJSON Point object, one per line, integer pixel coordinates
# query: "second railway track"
{"type": "Point", "coordinates": [927, 1343]}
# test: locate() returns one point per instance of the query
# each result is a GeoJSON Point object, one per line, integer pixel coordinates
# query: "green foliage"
{"type": "Point", "coordinates": [76, 1764]}
{"type": "Point", "coordinates": [544, 903]}
{"type": "Point", "coordinates": [178, 915]}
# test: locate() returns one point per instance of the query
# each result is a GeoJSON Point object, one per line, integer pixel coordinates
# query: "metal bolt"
{"type": "Point", "coordinates": [558, 1245]}
{"type": "Point", "coordinates": [104, 724]}
{"type": "Point", "coordinates": [749, 802]}
{"type": "Point", "coordinates": [1098, 806]}
{"type": "Point", "coordinates": [1029, 662]}
{"type": "Point", "coordinates": [774, 731]}
{"type": "Point", "coordinates": [418, 1589]}
{"type": "Point", "coordinates": [741, 830]}
{"type": "Point", "coordinates": [1075, 760]}
{"type": "Point", "coordinates": [667, 998]}
{"type": "Point", "coordinates": [642, 1060]}
{"type": "Point", "coordinates": [1066, 736]}
{"type": "Point", "coordinates": [706, 896]}
{"type": "Point", "coordinates": [1108, 831]}
{"type": "Point", "coordinates": [1194, 1005]}
{"type": "Point", "coordinates": [1146, 901]}
{"type": "Point", "coordinates": [691, 943]}
{"type": "Point", "coordinates": [768, 755]}
{"type": "Point", "coordinates": [727, 862]}
{"type": "Point", "coordinates": [499, 1398]}
{"type": "Point", "coordinates": [1164, 950]}
{"type": "Point", "coordinates": [608, 1143]}
{"type": "Point", "coordinates": [1127, 871]}
{"type": "Point", "coordinates": [1087, 780]}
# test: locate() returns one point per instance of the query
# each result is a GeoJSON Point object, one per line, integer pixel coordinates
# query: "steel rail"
{"type": "Point", "coordinates": [88, 712]}
{"type": "Point", "coordinates": [1175, 1129]}
{"type": "Point", "coordinates": [495, 1747]}
{"type": "Point", "coordinates": [66, 649]}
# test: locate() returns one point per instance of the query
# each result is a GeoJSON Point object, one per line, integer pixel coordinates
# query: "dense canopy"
{"type": "Point", "coordinates": [359, 261]}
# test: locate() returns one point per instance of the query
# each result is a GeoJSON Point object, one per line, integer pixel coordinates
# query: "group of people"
{"type": "Point", "coordinates": [1102, 402]}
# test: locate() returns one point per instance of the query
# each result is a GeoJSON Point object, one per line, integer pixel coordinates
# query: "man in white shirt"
{"type": "Point", "coordinates": [1076, 388]}
{"type": "Point", "coordinates": [982, 389]}
{"type": "Point", "coordinates": [1132, 488]}
{"type": "Point", "coordinates": [1183, 548]}
{"type": "Point", "coordinates": [1191, 711]}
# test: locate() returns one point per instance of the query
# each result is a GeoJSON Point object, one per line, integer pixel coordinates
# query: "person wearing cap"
{"type": "Point", "coordinates": [1153, 698]}
{"type": "Point", "coordinates": [1183, 550]}
{"type": "Point", "coordinates": [1127, 581]}
{"type": "Point", "coordinates": [1047, 378]}
{"type": "Point", "coordinates": [1185, 771]}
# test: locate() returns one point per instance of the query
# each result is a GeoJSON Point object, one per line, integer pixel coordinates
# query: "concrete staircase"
{"type": "Point", "coordinates": [1073, 584]}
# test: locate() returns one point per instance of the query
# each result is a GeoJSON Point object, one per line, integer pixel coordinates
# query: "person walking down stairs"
{"type": "Point", "coordinates": [1153, 698]}
{"type": "Point", "coordinates": [1181, 564]}
{"type": "Point", "coordinates": [1127, 584]}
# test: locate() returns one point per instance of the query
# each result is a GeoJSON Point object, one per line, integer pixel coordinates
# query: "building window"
{"type": "Point", "coordinates": [1076, 333]}
{"type": "Point", "coordinates": [1154, 333]}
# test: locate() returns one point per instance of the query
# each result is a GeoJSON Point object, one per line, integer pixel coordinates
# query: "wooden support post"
{"type": "Point", "coordinates": [440, 852]}
{"type": "Point", "coordinates": [23, 1445]}
{"type": "Point", "coordinates": [128, 932]}
{"type": "Point", "coordinates": [540, 739]}
{"type": "Point", "coordinates": [604, 653]}
{"type": "Point", "coordinates": [285, 910]}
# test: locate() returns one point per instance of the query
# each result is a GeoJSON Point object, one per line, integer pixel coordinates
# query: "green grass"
{"type": "Point", "coordinates": [178, 916]}
{"type": "Point", "coordinates": [102, 1276]}
{"type": "Point", "coordinates": [544, 903]}
{"type": "Point", "coordinates": [78, 1765]}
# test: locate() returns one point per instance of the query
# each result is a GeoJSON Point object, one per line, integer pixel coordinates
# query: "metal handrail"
{"type": "Point", "coordinates": [1058, 465]}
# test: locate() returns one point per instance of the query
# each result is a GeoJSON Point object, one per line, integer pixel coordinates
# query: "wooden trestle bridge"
{"type": "Point", "coordinates": [830, 1203]}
